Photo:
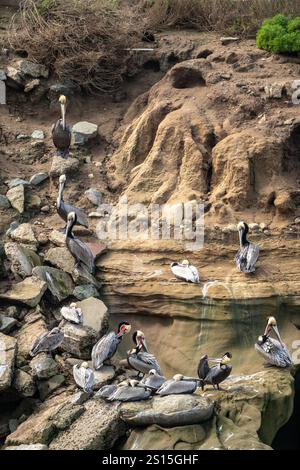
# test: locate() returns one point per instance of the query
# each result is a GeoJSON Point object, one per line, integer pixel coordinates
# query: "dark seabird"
{"type": "Point", "coordinates": [61, 132]}
{"type": "Point", "coordinates": [139, 358]}
{"type": "Point", "coordinates": [129, 390]}
{"type": "Point", "coordinates": [216, 374]}
{"type": "Point", "coordinates": [84, 377]}
{"type": "Point", "coordinates": [248, 253]}
{"type": "Point", "coordinates": [177, 386]}
{"type": "Point", "coordinates": [47, 342]}
{"type": "Point", "coordinates": [63, 208]}
{"type": "Point", "coordinates": [273, 351]}
{"type": "Point", "coordinates": [107, 346]}
{"type": "Point", "coordinates": [153, 380]}
{"type": "Point", "coordinates": [185, 271]}
{"type": "Point", "coordinates": [79, 250]}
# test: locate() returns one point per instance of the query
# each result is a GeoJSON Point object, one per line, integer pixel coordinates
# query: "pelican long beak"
{"type": "Point", "coordinates": [144, 344]}
{"type": "Point", "coordinates": [278, 334]}
{"type": "Point", "coordinates": [68, 227]}
{"type": "Point", "coordinates": [267, 330]}
{"type": "Point", "coordinates": [241, 237]}
{"type": "Point", "coordinates": [63, 114]}
{"type": "Point", "coordinates": [215, 359]}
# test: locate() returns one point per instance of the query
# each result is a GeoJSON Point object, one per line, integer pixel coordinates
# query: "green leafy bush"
{"type": "Point", "coordinates": [279, 35]}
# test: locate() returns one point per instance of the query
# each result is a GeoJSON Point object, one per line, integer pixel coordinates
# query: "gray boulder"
{"type": "Point", "coordinates": [8, 350]}
{"type": "Point", "coordinates": [60, 284]}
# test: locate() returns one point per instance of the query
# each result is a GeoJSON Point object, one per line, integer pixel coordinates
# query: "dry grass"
{"type": "Point", "coordinates": [80, 40]}
{"type": "Point", "coordinates": [241, 17]}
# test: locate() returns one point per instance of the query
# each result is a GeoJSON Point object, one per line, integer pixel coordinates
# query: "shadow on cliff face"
{"type": "Point", "coordinates": [288, 436]}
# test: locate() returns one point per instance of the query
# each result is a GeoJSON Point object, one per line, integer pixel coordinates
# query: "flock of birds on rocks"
{"type": "Point", "coordinates": [149, 379]}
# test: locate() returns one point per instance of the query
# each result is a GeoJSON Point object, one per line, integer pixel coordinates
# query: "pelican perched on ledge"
{"type": "Point", "coordinates": [178, 385]}
{"type": "Point", "coordinates": [107, 346]}
{"type": "Point", "coordinates": [248, 253]}
{"type": "Point", "coordinates": [61, 132]}
{"type": "Point", "coordinates": [84, 377]}
{"type": "Point", "coordinates": [139, 358]}
{"type": "Point", "coordinates": [153, 380]}
{"type": "Point", "coordinates": [274, 351]}
{"type": "Point", "coordinates": [185, 271]}
{"type": "Point", "coordinates": [129, 390]}
{"type": "Point", "coordinates": [47, 342]}
{"type": "Point", "coordinates": [63, 208]}
{"type": "Point", "coordinates": [79, 250]}
{"type": "Point", "coordinates": [216, 374]}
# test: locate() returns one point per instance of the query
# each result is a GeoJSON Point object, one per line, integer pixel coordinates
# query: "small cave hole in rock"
{"type": "Point", "coordinates": [187, 78]}
{"type": "Point", "coordinates": [288, 437]}
{"type": "Point", "coordinates": [291, 160]}
{"type": "Point", "coordinates": [152, 65]}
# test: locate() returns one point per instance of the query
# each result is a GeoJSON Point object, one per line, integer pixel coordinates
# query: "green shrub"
{"type": "Point", "coordinates": [279, 35]}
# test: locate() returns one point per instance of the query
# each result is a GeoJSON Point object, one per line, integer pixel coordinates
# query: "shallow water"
{"type": "Point", "coordinates": [178, 343]}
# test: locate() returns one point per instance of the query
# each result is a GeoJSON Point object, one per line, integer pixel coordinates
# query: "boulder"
{"type": "Point", "coordinates": [284, 203]}
{"type": "Point", "coordinates": [4, 202]}
{"type": "Point", "coordinates": [24, 383]}
{"type": "Point", "coordinates": [8, 350]}
{"type": "Point", "coordinates": [46, 387]}
{"type": "Point", "coordinates": [95, 315]}
{"type": "Point", "coordinates": [24, 234]}
{"type": "Point", "coordinates": [61, 258]}
{"type": "Point", "coordinates": [7, 324]}
{"type": "Point", "coordinates": [38, 178]}
{"type": "Point", "coordinates": [59, 283]}
{"type": "Point", "coordinates": [94, 196]}
{"type": "Point", "coordinates": [28, 292]}
{"type": "Point", "coordinates": [26, 68]}
{"type": "Point", "coordinates": [22, 259]}
{"type": "Point", "coordinates": [103, 376]}
{"type": "Point", "coordinates": [31, 85]}
{"type": "Point", "coordinates": [169, 411]}
{"type": "Point", "coordinates": [78, 340]}
{"type": "Point", "coordinates": [16, 198]}
{"type": "Point", "coordinates": [57, 238]}
{"type": "Point", "coordinates": [61, 166]}
{"type": "Point", "coordinates": [98, 428]}
{"type": "Point", "coordinates": [38, 134]}
{"type": "Point", "coordinates": [85, 291]}
{"type": "Point", "coordinates": [16, 182]}
{"type": "Point", "coordinates": [84, 131]}
{"type": "Point", "coordinates": [43, 366]}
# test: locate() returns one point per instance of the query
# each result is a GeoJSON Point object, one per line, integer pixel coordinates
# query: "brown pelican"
{"type": "Point", "coordinates": [63, 208]}
{"type": "Point", "coordinates": [79, 250]}
{"type": "Point", "coordinates": [47, 341]}
{"type": "Point", "coordinates": [275, 352]}
{"type": "Point", "coordinates": [106, 391]}
{"type": "Point", "coordinates": [153, 380]}
{"type": "Point", "coordinates": [139, 358]}
{"type": "Point", "coordinates": [178, 385]}
{"type": "Point", "coordinates": [84, 377]}
{"type": "Point", "coordinates": [248, 253]}
{"type": "Point", "coordinates": [61, 132]}
{"type": "Point", "coordinates": [129, 390]}
{"type": "Point", "coordinates": [107, 346]}
{"type": "Point", "coordinates": [73, 314]}
{"type": "Point", "coordinates": [185, 271]}
{"type": "Point", "coordinates": [216, 374]}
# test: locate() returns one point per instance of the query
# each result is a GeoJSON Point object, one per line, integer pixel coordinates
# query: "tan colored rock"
{"type": "Point", "coordinates": [22, 259]}
{"type": "Point", "coordinates": [95, 314]}
{"type": "Point", "coordinates": [8, 350]}
{"type": "Point", "coordinates": [24, 234]}
{"type": "Point", "coordinates": [284, 203]}
{"type": "Point", "coordinates": [60, 258]}
{"type": "Point", "coordinates": [57, 238]}
{"type": "Point", "coordinates": [16, 197]}
{"type": "Point", "coordinates": [28, 292]}
{"type": "Point", "coordinates": [62, 166]}
{"type": "Point", "coordinates": [26, 337]}
{"type": "Point", "coordinates": [24, 383]}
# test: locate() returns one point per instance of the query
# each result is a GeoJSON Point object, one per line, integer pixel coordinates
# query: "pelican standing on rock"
{"type": "Point", "coordinates": [216, 374]}
{"type": "Point", "coordinates": [79, 250]}
{"type": "Point", "coordinates": [185, 271]}
{"type": "Point", "coordinates": [139, 358]}
{"type": "Point", "coordinates": [129, 390]}
{"type": "Point", "coordinates": [107, 346]}
{"type": "Point", "coordinates": [72, 314]}
{"type": "Point", "coordinates": [178, 385]}
{"type": "Point", "coordinates": [248, 253]}
{"type": "Point", "coordinates": [47, 342]}
{"type": "Point", "coordinates": [274, 351]}
{"type": "Point", "coordinates": [84, 377]}
{"type": "Point", "coordinates": [61, 132]}
{"type": "Point", "coordinates": [63, 208]}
